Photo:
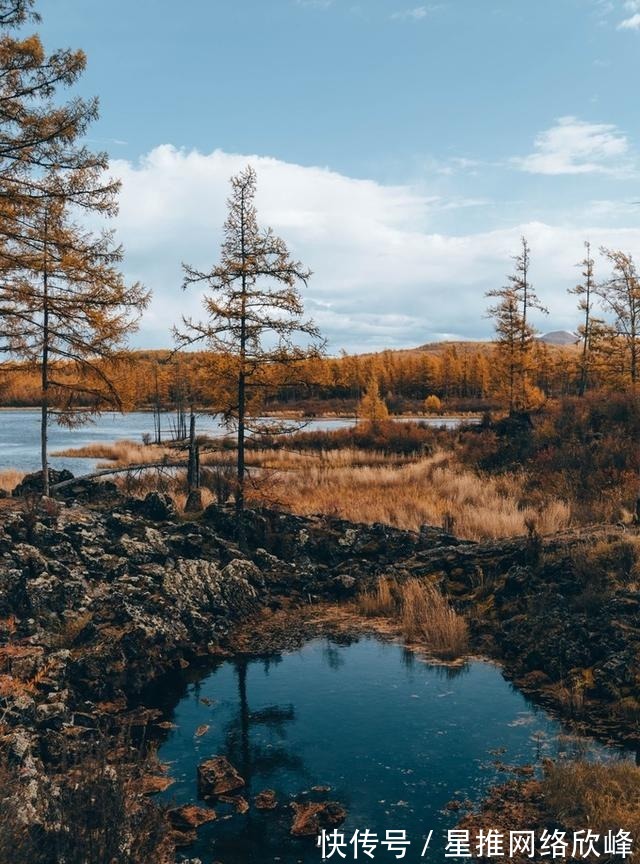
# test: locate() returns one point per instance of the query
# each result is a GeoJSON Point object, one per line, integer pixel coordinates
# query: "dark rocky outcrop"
{"type": "Point", "coordinates": [98, 602]}
{"type": "Point", "coordinates": [31, 484]}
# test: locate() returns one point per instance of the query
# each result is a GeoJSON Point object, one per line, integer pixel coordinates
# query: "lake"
{"type": "Point", "coordinates": [394, 737]}
{"type": "Point", "coordinates": [20, 435]}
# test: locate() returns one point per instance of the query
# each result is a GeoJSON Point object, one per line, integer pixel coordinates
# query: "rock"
{"type": "Point", "coordinates": [193, 504]}
{"type": "Point", "coordinates": [158, 507]}
{"type": "Point", "coordinates": [240, 804]}
{"type": "Point", "coordinates": [266, 800]}
{"type": "Point", "coordinates": [217, 777]}
{"type": "Point", "coordinates": [190, 816]}
{"type": "Point", "coordinates": [184, 838]}
{"type": "Point", "coordinates": [311, 818]}
{"type": "Point", "coordinates": [241, 569]}
{"type": "Point", "coordinates": [32, 483]}
{"type": "Point", "coordinates": [151, 784]}
{"type": "Point", "coordinates": [90, 491]}
{"type": "Point", "coordinates": [202, 586]}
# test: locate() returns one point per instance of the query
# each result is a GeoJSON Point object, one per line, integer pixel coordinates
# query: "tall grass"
{"type": "Point", "coordinates": [427, 617]}
{"type": "Point", "coordinates": [407, 494]}
{"type": "Point", "coordinates": [601, 796]}
{"type": "Point", "coordinates": [368, 486]}
{"type": "Point", "coordinates": [382, 601]}
{"type": "Point", "coordinates": [119, 452]}
{"type": "Point", "coordinates": [9, 479]}
{"type": "Point", "coordinates": [422, 612]}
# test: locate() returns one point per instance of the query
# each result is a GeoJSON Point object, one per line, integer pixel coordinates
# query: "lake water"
{"type": "Point", "coordinates": [20, 435]}
{"type": "Point", "coordinates": [394, 737]}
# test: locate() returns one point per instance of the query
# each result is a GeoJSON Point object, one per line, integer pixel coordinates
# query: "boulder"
{"type": "Point", "coordinates": [310, 818]}
{"type": "Point", "coordinates": [190, 816]}
{"type": "Point", "coordinates": [157, 507]}
{"type": "Point", "coordinates": [266, 800]}
{"type": "Point", "coordinates": [32, 483]}
{"type": "Point", "coordinates": [217, 777]}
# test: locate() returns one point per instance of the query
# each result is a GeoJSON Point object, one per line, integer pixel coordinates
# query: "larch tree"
{"type": "Point", "coordinates": [515, 334]}
{"type": "Point", "coordinates": [62, 298]}
{"type": "Point", "coordinates": [254, 316]}
{"type": "Point", "coordinates": [620, 296]}
{"type": "Point", "coordinates": [67, 310]}
{"type": "Point", "coordinates": [585, 291]}
{"type": "Point", "coordinates": [509, 327]}
{"type": "Point", "coordinates": [372, 408]}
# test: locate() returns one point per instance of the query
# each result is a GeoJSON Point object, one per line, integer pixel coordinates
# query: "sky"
{"type": "Point", "coordinates": [402, 148]}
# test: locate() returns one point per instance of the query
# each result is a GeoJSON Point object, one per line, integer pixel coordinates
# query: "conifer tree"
{"type": "Point", "coordinates": [514, 332]}
{"type": "Point", "coordinates": [585, 291]}
{"type": "Point", "coordinates": [372, 407]}
{"type": "Point", "coordinates": [254, 314]}
{"type": "Point", "coordinates": [62, 298]}
{"type": "Point", "coordinates": [620, 295]}
{"type": "Point", "coordinates": [65, 305]}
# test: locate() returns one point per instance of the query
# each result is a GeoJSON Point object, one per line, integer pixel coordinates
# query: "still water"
{"type": "Point", "coordinates": [394, 738]}
{"type": "Point", "coordinates": [20, 435]}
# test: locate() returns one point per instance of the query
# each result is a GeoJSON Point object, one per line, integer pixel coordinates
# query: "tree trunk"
{"type": "Point", "coordinates": [242, 388]}
{"type": "Point", "coordinates": [44, 410]}
{"type": "Point", "coordinates": [193, 469]}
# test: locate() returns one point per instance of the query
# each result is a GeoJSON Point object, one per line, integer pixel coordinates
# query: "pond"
{"type": "Point", "coordinates": [394, 737]}
{"type": "Point", "coordinates": [20, 435]}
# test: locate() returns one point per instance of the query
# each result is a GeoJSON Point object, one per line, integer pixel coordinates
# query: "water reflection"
{"type": "Point", "coordinates": [393, 737]}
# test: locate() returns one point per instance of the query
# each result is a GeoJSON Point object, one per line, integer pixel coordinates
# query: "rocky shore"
{"type": "Point", "coordinates": [97, 600]}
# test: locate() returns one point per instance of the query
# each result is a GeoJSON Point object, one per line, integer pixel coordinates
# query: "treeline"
{"type": "Point", "coordinates": [457, 373]}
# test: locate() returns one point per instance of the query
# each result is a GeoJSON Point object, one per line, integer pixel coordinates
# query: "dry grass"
{"type": "Point", "coordinates": [427, 617]}
{"type": "Point", "coordinates": [422, 612]}
{"type": "Point", "coordinates": [118, 453]}
{"type": "Point", "coordinates": [9, 479]}
{"type": "Point", "coordinates": [382, 601]}
{"type": "Point", "coordinates": [407, 494]}
{"type": "Point", "coordinates": [364, 486]}
{"type": "Point", "coordinates": [603, 797]}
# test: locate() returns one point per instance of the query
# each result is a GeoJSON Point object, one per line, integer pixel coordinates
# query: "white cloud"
{"type": "Point", "coordinates": [574, 146]}
{"type": "Point", "coordinates": [633, 21]}
{"type": "Point", "coordinates": [315, 4]}
{"type": "Point", "coordinates": [417, 13]}
{"type": "Point", "coordinates": [383, 275]}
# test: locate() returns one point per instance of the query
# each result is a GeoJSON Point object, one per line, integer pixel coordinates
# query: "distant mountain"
{"type": "Point", "coordinates": [558, 337]}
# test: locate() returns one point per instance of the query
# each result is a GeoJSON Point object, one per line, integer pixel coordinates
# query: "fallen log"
{"type": "Point", "coordinates": [125, 469]}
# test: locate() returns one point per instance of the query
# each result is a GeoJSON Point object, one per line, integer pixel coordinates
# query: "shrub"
{"type": "Point", "coordinates": [432, 405]}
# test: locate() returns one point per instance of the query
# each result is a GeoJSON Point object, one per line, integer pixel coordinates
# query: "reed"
{"type": "Point", "coordinates": [428, 617]}
{"type": "Point", "coordinates": [601, 796]}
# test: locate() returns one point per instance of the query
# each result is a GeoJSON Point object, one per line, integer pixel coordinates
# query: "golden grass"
{"type": "Point", "coordinates": [422, 612]}
{"type": "Point", "coordinates": [120, 452]}
{"type": "Point", "coordinates": [9, 479]}
{"type": "Point", "coordinates": [382, 601]}
{"type": "Point", "coordinates": [362, 486]}
{"type": "Point", "coordinates": [601, 796]}
{"type": "Point", "coordinates": [407, 494]}
{"type": "Point", "coordinates": [428, 618]}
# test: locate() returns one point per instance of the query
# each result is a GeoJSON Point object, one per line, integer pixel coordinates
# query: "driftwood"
{"type": "Point", "coordinates": [125, 469]}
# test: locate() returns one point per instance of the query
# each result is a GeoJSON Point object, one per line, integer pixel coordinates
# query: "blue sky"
{"type": "Point", "coordinates": [401, 148]}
